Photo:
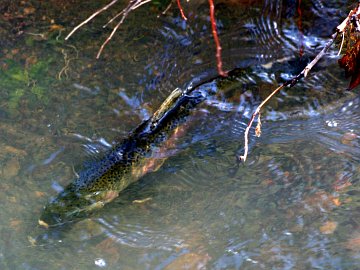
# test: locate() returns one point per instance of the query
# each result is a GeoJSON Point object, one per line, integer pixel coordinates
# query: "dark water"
{"type": "Point", "coordinates": [293, 205]}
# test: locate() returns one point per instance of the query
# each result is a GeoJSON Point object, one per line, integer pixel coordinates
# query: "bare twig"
{"type": "Point", "coordinates": [90, 18]}
{"type": "Point", "coordinates": [133, 4]}
{"type": "Point", "coordinates": [307, 69]}
{"type": "Point", "coordinates": [114, 18]}
{"type": "Point", "coordinates": [258, 126]}
{"type": "Point", "coordinates": [166, 9]}
{"type": "Point", "coordinates": [216, 39]}
{"type": "Point", "coordinates": [342, 43]}
{"type": "Point", "coordinates": [110, 36]}
{"type": "Point", "coordinates": [181, 10]}
{"type": "Point", "coordinates": [257, 111]}
{"type": "Point", "coordinates": [290, 84]}
{"type": "Point", "coordinates": [340, 29]}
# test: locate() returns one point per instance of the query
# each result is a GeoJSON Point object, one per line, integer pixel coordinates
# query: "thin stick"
{"type": "Point", "coordinates": [181, 10]}
{"type": "Point", "coordinates": [290, 83]}
{"type": "Point", "coordinates": [340, 29]}
{"type": "Point", "coordinates": [131, 6]}
{"type": "Point", "coordinates": [342, 43]}
{"type": "Point", "coordinates": [257, 111]}
{"type": "Point", "coordinates": [320, 55]}
{"type": "Point", "coordinates": [90, 18]}
{"type": "Point", "coordinates": [139, 3]}
{"type": "Point", "coordinates": [216, 39]}
{"type": "Point", "coordinates": [114, 18]}
{"type": "Point", "coordinates": [300, 28]}
{"type": "Point", "coordinates": [166, 9]}
{"type": "Point", "coordinates": [109, 37]}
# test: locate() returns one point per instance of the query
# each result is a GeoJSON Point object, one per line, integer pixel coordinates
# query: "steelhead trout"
{"type": "Point", "coordinates": [135, 155]}
{"type": "Point", "coordinates": [129, 160]}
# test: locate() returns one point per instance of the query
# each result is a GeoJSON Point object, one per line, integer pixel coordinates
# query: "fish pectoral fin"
{"type": "Point", "coordinates": [110, 195]}
{"type": "Point", "coordinates": [105, 197]}
{"type": "Point", "coordinates": [96, 205]}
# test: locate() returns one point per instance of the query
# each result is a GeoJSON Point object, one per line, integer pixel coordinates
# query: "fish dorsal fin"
{"type": "Point", "coordinates": [165, 106]}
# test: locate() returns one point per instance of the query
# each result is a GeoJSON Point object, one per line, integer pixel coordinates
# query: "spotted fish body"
{"type": "Point", "coordinates": [125, 162]}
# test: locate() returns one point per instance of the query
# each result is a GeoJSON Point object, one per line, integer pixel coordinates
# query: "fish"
{"type": "Point", "coordinates": [133, 157]}
{"type": "Point", "coordinates": [137, 154]}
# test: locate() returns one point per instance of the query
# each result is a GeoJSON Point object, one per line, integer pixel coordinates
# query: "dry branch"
{"type": "Point", "coordinates": [133, 4]}
{"type": "Point", "coordinates": [340, 29]}
{"type": "Point", "coordinates": [90, 18]}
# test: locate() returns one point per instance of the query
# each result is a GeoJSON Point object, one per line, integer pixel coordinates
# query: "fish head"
{"type": "Point", "coordinates": [71, 205]}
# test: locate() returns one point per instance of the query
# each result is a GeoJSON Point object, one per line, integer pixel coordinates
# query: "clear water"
{"type": "Point", "coordinates": [293, 205]}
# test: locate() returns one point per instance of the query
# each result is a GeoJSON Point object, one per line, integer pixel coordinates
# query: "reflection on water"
{"type": "Point", "coordinates": [293, 205]}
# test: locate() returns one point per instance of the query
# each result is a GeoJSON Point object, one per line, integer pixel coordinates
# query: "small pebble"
{"type": "Point", "coordinates": [11, 168]}
{"type": "Point", "coordinates": [348, 137]}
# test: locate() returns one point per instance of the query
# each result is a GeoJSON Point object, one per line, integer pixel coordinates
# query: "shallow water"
{"type": "Point", "coordinates": [293, 205]}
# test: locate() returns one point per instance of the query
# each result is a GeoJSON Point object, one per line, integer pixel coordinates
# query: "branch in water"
{"type": "Point", "coordinates": [339, 30]}
{"type": "Point", "coordinates": [300, 28]}
{"type": "Point", "coordinates": [181, 10]}
{"type": "Point", "coordinates": [90, 18]}
{"type": "Point", "coordinates": [216, 39]}
{"type": "Point", "coordinates": [133, 4]}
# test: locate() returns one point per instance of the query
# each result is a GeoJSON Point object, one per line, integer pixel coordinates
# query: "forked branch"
{"type": "Point", "coordinates": [133, 4]}
{"type": "Point", "coordinates": [339, 30]}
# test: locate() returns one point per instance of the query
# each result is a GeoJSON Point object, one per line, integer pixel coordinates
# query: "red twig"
{"type": "Point", "coordinates": [181, 10]}
{"type": "Point", "coordinates": [216, 39]}
{"type": "Point", "coordinates": [300, 28]}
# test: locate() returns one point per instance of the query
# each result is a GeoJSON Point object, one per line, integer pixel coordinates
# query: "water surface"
{"type": "Point", "coordinates": [293, 205]}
